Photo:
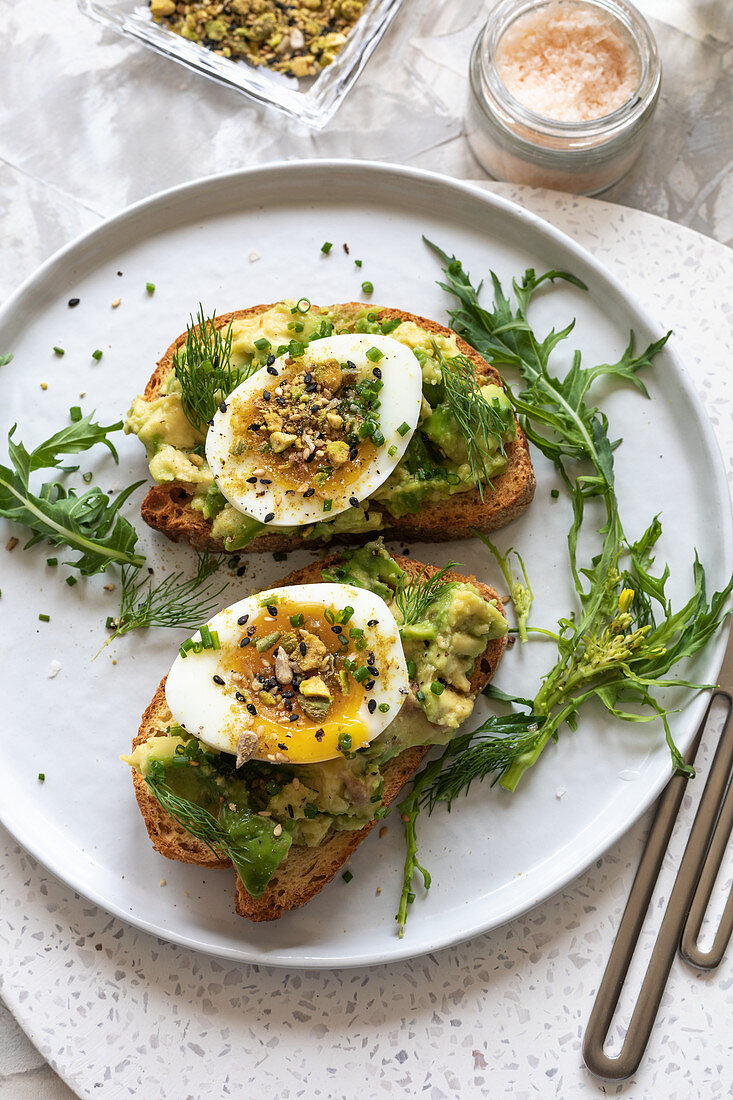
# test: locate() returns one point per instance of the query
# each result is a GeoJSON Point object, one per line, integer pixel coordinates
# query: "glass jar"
{"type": "Point", "coordinates": [516, 144]}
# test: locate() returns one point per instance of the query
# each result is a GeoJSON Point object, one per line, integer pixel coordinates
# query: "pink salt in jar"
{"type": "Point", "coordinates": [562, 92]}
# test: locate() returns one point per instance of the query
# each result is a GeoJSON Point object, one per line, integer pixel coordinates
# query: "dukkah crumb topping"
{"type": "Point", "coordinates": [295, 37]}
{"type": "Point", "coordinates": [313, 429]}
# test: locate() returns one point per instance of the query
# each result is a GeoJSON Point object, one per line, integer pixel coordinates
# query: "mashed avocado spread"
{"type": "Point", "coordinates": [435, 465]}
{"type": "Point", "coordinates": [267, 807]}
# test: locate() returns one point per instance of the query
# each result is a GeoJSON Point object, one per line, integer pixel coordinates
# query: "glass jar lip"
{"type": "Point", "coordinates": [641, 36]}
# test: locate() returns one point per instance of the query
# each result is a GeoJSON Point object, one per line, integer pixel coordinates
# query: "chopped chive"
{"type": "Point", "coordinates": [41, 777]}
{"type": "Point", "coordinates": [421, 696]}
{"type": "Point", "coordinates": [280, 555]}
{"type": "Point", "coordinates": [263, 344]}
{"type": "Point", "coordinates": [371, 317]}
{"type": "Point", "coordinates": [384, 707]}
{"type": "Point", "coordinates": [327, 505]}
{"type": "Point", "coordinates": [267, 642]}
{"type": "Point", "coordinates": [392, 451]}
{"type": "Point", "coordinates": [205, 636]}
{"type": "Point", "coordinates": [403, 428]}
{"type": "Point", "coordinates": [361, 674]}
{"type": "Point", "coordinates": [150, 287]}
{"type": "Point", "coordinates": [411, 669]}
{"type": "Point", "coordinates": [86, 477]}
{"type": "Point", "coordinates": [326, 247]}
{"type": "Point", "coordinates": [59, 351]}
{"type": "Point", "coordinates": [355, 632]}
{"type": "Point", "coordinates": [44, 618]}
{"type": "Point", "coordinates": [347, 876]}
{"type": "Point", "coordinates": [52, 561]}
{"type": "Point", "coordinates": [297, 620]}
{"type": "Point", "coordinates": [111, 624]}
{"type": "Point", "coordinates": [367, 287]}
{"type": "Point", "coordinates": [310, 810]}
{"type": "Point", "coordinates": [390, 325]}
{"type": "Point", "coordinates": [346, 614]}
{"type": "Point", "coordinates": [374, 355]}
{"type": "Point", "coordinates": [215, 643]}
{"type": "Point", "coordinates": [437, 688]}
{"type": "Point", "coordinates": [302, 305]}
{"type": "Point", "coordinates": [75, 414]}
{"type": "Point", "coordinates": [97, 354]}
{"type": "Point", "coordinates": [329, 616]}
{"type": "Point", "coordinates": [554, 493]}
{"type": "Point", "coordinates": [377, 437]}
{"type": "Point", "coordinates": [71, 581]}
{"type": "Point", "coordinates": [357, 263]}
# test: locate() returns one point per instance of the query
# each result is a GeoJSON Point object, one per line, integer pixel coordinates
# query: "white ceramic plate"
{"type": "Point", "coordinates": [496, 854]}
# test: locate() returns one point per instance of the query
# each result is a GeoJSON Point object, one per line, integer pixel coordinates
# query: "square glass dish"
{"type": "Point", "coordinates": [313, 100]}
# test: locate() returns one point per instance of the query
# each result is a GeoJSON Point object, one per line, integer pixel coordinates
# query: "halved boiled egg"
{"type": "Point", "coordinates": [305, 438]}
{"type": "Point", "coordinates": [296, 674]}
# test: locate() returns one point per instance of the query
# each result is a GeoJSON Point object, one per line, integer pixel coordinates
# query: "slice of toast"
{"type": "Point", "coordinates": [304, 871]}
{"type": "Point", "coordinates": [167, 506]}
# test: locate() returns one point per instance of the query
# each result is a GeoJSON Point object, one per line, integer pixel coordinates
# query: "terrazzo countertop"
{"type": "Point", "coordinates": [97, 122]}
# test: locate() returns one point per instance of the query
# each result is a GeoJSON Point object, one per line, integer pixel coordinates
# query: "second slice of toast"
{"type": "Point", "coordinates": [304, 871]}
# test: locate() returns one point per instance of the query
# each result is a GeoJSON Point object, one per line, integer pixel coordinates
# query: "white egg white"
{"type": "Point", "coordinates": [202, 693]}
{"type": "Point", "coordinates": [401, 398]}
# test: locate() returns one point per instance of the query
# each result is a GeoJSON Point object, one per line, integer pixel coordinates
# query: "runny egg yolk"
{"type": "Point", "coordinates": [287, 721]}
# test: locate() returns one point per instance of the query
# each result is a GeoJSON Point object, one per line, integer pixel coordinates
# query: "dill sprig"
{"type": "Point", "coordinates": [176, 601]}
{"type": "Point", "coordinates": [480, 422]}
{"type": "Point", "coordinates": [241, 836]}
{"type": "Point", "coordinates": [413, 596]}
{"type": "Point", "coordinates": [204, 369]}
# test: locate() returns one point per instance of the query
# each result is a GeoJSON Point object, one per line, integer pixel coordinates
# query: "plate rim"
{"type": "Point", "coordinates": [398, 950]}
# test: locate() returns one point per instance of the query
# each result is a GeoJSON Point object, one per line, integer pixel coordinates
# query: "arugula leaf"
{"type": "Point", "coordinates": [522, 594]}
{"type": "Point", "coordinates": [90, 523]}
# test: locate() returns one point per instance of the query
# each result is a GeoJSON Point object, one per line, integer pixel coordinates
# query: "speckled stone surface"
{"type": "Point", "coordinates": [119, 1014]}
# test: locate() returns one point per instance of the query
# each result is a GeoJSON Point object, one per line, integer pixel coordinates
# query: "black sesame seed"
{"type": "Point", "coordinates": [283, 747]}
{"type": "Point", "coordinates": [290, 811]}
{"type": "Point", "coordinates": [373, 622]}
{"type": "Point", "coordinates": [254, 428]}
{"type": "Point", "coordinates": [272, 608]}
{"type": "Point", "coordinates": [271, 370]}
{"type": "Point", "coordinates": [73, 302]}
{"type": "Point", "coordinates": [218, 680]}
{"type": "Point", "coordinates": [309, 492]}
{"type": "Point", "coordinates": [223, 407]}
{"type": "Point", "coordinates": [377, 372]}
{"type": "Point", "coordinates": [251, 708]}
{"type": "Point", "coordinates": [353, 454]}
{"type": "Point", "coordinates": [303, 648]}
{"type": "Point", "coordinates": [251, 480]}
{"type": "Point", "coordinates": [288, 705]}
{"type": "Point", "coordinates": [372, 705]}
{"type": "Point", "coordinates": [268, 517]}
{"type": "Point", "coordinates": [239, 697]}
{"type": "Point", "coordinates": [308, 378]}
{"type": "Point", "coordinates": [265, 481]}
{"type": "Point", "coordinates": [292, 718]}
{"type": "Point", "coordinates": [311, 456]}
{"type": "Point", "coordinates": [281, 400]}
{"type": "Point", "coordinates": [373, 670]}
{"type": "Point", "coordinates": [371, 659]}
{"type": "Point", "coordinates": [354, 502]}
{"type": "Point", "coordinates": [265, 395]}
{"type": "Point", "coordinates": [244, 642]}
{"type": "Point", "coordinates": [337, 629]}
{"type": "Point", "coordinates": [242, 620]}
{"type": "Point", "coordinates": [311, 387]}
{"type": "Point", "coordinates": [270, 360]}
{"type": "Point", "coordinates": [215, 361]}
{"type": "Point", "coordinates": [369, 685]}
{"type": "Point", "coordinates": [288, 694]}
{"type": "Point", "coordinates": [211, 423]}
{"type": "Point", "coordinates": [350, 365]}
{"type": "Point", "coordinates": [242, 570]}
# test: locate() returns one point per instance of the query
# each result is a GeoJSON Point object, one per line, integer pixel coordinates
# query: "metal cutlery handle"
{"type": "Point", "coordinates": [645, 1011]}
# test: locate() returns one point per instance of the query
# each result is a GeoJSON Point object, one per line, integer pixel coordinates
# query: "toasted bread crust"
{"type": "Point", "coordinates": [167, 509]}
{"type": "Point", "coordinates": [304, 871]}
